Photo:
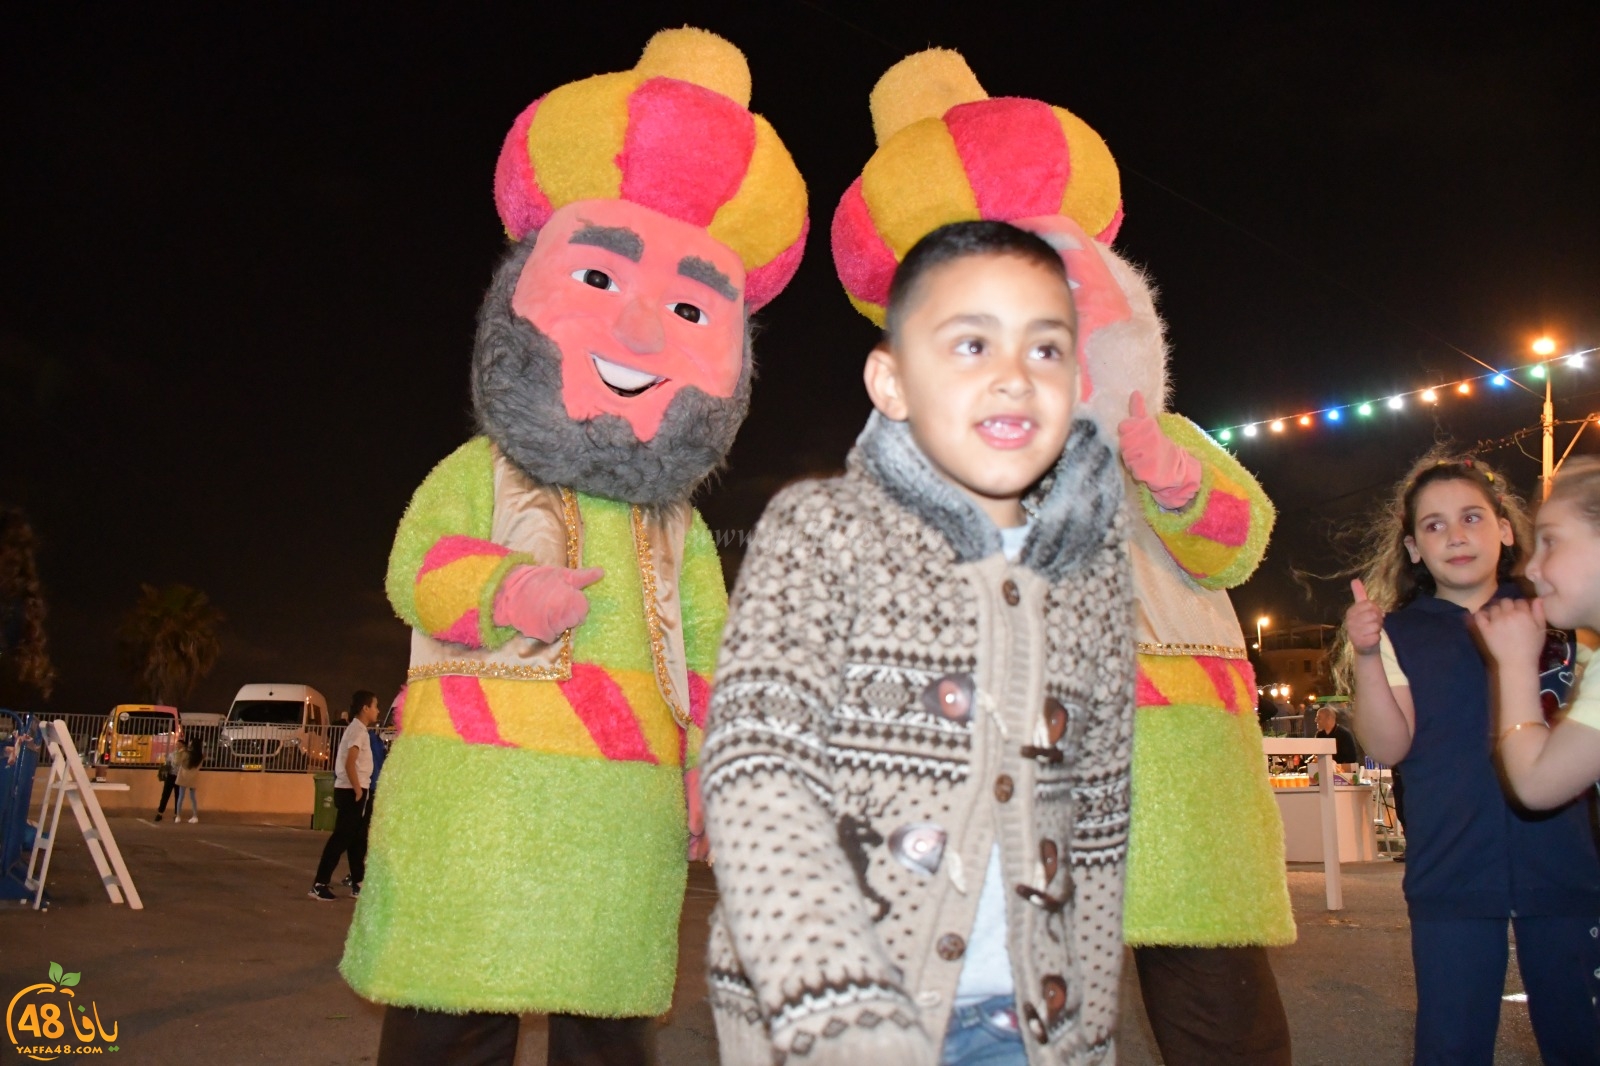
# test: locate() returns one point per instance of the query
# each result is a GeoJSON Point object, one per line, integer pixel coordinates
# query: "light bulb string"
{"type": "Point", "coordinates": [1394, 401]}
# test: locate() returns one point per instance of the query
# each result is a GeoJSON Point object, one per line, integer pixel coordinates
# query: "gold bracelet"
{"type": "Point", "coordinates": [1519, 725]}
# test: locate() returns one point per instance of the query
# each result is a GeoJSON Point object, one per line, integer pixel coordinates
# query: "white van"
{"type": "Point", "coordinates": [275, 727]}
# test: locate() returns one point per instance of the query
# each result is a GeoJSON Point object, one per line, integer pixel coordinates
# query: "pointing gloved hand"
{"type": "Point", "coordinates": [543, 601]}
{"type": "Point", "coordinates": [1171, 474]}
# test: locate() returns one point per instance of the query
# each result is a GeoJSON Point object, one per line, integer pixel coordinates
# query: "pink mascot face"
{"type": "Point", "coordinates": [641, 306]}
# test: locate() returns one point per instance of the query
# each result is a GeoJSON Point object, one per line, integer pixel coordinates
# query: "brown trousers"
{"type": "Point", "coordinates": [432, 1038]}
{"type": "Point", "coordinates": [1213, 1006]}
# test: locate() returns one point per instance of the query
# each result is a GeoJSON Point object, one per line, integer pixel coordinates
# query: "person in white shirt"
{"type": "Point", "coordinates": [352, 798]}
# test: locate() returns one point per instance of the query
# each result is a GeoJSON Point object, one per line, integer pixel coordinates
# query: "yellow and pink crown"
{"type": "Point", "coordinates": [948, 153]}
{"type": "Point", "coordinates": [674, 134]}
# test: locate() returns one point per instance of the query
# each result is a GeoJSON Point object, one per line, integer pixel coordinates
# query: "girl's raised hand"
{"type": "Point", "coordinates": [1512, 630]}
{"type": "Point", "coordinates": [1363, 622]}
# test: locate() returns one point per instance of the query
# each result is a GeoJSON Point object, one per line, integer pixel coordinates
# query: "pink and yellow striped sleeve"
{"type": "Point", "coordinates": [444, 571]}
{"type": "Point", "coordinates": [1220, 536]}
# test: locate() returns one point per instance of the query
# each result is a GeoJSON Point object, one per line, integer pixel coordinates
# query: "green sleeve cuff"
{"type": "Point", "coordinates": [456, 498]}
{"type": "Point", "coordinates": [493, 636]}
{"type": "Point", "coordinates": [1217, 468]}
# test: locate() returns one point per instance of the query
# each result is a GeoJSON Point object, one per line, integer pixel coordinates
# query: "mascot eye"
{"type": "Point", "coordinates": [598, 279]}
{"type": "Point", "coordinates": [689, 313]}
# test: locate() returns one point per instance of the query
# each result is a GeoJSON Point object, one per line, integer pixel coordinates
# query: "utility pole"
{"type": "Point", "coordinates": [1548, 421]}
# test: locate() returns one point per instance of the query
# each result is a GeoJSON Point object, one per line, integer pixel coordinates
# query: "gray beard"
{"type": "Point", "coordinates": [516, 400]}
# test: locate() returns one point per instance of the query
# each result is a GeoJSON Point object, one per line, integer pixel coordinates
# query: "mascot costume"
{"type": "Point", "coordinates": [1206, 889]}
{"type": "Point", "coordinates": [566, 601]}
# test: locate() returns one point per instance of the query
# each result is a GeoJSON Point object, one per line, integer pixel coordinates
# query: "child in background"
{"type": "Point", "coordinates": [190, 756]}
{"type": "Point", "coordinates": [1548, 766]}
{"type": "Point", "coordinates": [916, 767]}
{"type": "Point", "coordinates": [169, 774]}
{"type": "Point", "coordinates": [1445, 548]}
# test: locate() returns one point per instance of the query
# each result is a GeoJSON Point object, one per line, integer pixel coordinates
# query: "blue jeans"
{"type": "Point", "coordinates": [984, 1034]}
{"type": "Point", "coordinates": [1461, 972]}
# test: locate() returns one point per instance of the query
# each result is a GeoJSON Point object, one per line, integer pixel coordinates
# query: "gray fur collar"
{"type": "Point", "coordinates": [1073, 507]}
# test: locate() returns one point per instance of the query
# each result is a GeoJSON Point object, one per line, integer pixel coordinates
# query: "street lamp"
{"type": "Point", "coordinates": [1547, 421]}
{"type": "Point", "coordinates": [1262, 622]}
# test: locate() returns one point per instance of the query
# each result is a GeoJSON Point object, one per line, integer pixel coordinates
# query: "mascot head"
{"type": "Point", "coordinates": [948, 152]}
{"type": "Point", "coordinates": [652, 212]}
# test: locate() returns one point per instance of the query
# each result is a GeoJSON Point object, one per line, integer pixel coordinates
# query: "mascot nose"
{"type": "Point", "coordinates": [639, 328]}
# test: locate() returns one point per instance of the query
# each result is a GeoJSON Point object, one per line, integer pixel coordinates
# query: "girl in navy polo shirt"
{"type": "Point", "coordinates": [1475, 860]}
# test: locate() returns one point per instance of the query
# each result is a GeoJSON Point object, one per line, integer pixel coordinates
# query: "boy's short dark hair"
{"type": "Point", "coordinates": [360, 699]}
{"type": "Point", "coordinates": [958, 240]}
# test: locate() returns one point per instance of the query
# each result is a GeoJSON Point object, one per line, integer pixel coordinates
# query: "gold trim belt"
{"type": "Point", "coordinates": [1216, 651]}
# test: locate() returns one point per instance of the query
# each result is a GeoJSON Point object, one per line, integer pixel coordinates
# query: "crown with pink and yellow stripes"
{"type": "Point", "coordinates": [948, 153]}
{"type": "Point", "coordinates": [674, 134]}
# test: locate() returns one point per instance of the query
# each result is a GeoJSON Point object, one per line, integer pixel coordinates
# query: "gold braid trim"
{"type": "Point", "coordinates": [652, 618]}
{"type": "Point", "coordinates": [561, 671]}
{"type": "Point", "coordinates": [1217, 651]}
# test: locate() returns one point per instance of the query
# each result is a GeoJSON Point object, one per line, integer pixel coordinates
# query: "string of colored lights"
{"type": "Point", "coordinates": [1396, 401]}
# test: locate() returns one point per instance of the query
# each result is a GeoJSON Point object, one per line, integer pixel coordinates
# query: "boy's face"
{"type": "Point", "coordinates": [982, 368]}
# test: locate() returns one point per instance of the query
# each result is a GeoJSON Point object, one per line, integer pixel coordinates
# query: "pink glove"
{"type": "Point", "coordinates": [699, 848]}
{"type": "Point", "coordinates": [1171, 474]}
{"type": "Point", "coordinates": [543, 601]}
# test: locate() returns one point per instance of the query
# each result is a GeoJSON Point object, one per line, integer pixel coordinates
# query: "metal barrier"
{"type": "Point", "coordinates": [290, 748]}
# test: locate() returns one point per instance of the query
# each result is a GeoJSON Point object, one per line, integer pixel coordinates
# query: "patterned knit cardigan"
{"type": "Point", "coordinates": [894, 698]}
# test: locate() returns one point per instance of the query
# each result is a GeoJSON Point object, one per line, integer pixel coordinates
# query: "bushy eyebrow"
{"type": "Point", "coordinates": [1039, 324]}
{"type": "Point", "coordinates": [705, 272]}
{"type": "Point", "coordinates": [1471, 508]}
{"type": "Point", "coordinates": [618, 239]}
{"type": "Point", "coordinates": [991, 322]}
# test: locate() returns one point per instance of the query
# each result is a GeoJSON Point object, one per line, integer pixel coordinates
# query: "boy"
{"type": "Point", "coordinates": [352, 781]}
{"type": "Point", "coordinates": [916, 770]}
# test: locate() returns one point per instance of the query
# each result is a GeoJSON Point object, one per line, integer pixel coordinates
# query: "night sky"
{"type": "Point", "coordinates": [241, 248]}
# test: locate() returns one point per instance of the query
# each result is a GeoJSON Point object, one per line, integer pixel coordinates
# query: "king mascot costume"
{"type": "Point", "coordinates": [1205, 890]}
{"type": "Point", "coordinates": [566, 601]}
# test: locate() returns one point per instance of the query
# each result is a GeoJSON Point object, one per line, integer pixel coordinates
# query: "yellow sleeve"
{"type": "Point", "coordinates": [1391, 663]}
{"type": "Point", "coordinates": [1585, 706]}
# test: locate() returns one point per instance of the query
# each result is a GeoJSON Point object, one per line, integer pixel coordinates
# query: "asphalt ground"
{"type": "Point", "coordinates": [231, 961]}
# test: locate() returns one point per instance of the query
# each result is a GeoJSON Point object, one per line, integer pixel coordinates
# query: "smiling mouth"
{"type": "Point", "coordinates": [1007, 427]}
{"type": "Point", "coordinates": [624, 380]}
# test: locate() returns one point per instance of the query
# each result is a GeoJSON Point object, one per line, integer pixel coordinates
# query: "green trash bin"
{"type": "Point", "coordinates": [323, 814]}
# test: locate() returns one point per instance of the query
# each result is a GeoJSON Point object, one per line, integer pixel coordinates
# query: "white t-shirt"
{"type": "Point", "coordinates": [355, 736]}
{"type": "Point", "coordinates": [1585, 706]}
{"type": "Point", "coordinates": [987, 969]}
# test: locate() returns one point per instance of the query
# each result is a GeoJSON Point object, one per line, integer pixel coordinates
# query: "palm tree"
{"type": "Point", "coordinates": [169, 641]}
{"type": "Point", "coordinates": [22, 607]}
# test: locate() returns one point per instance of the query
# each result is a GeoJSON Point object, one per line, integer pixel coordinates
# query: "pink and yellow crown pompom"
{"type": "Point", "coordinates": [674, 134]}
{"type": "Point", "coordinates": [948, 153]}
